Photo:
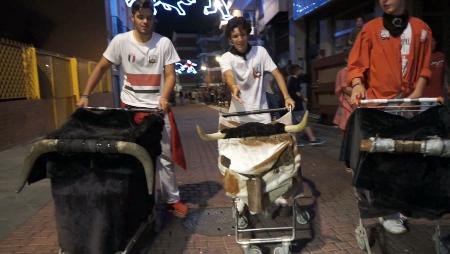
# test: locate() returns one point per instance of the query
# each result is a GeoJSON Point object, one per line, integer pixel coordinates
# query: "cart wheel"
{"type": "Point", "coordinates": [280, 250]}
{"type": "Point", "coordinates": [360, 240]}
{"type": "Point", "coordinates": [255, 250]}
{"type": "Point", "coordinates": [303, 217]}
{"type": "Point", "coordinates": [242, 222]}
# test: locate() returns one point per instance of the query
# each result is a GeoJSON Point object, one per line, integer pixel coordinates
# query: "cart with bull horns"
{"type": "Point", "coordinates": [399, 150]}
{"type": "Point", "coordinates": [101, 167]}
{"type": "Point", "coordinates": [260, 164]}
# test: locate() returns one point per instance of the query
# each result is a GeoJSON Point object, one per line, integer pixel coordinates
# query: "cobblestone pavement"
{"type": "Point", "coordinates": [334, 209]}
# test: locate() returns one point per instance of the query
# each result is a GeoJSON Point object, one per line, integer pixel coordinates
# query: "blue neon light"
{"type": "Point", "coordinates": [301, 8]}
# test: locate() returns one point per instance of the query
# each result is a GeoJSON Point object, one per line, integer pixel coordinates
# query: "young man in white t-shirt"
{"type": "Point", "coordinates": [147, 60]}
{"type": "Point", "coordinates": [243, 67]}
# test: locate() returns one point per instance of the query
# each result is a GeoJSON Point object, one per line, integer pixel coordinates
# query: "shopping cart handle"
{"type": "Point", "coordinates": [150, 110]}
{"type": "Point", "coordinates": [403, 100]}
{"type": "Point", "coordinates": [252, 112]}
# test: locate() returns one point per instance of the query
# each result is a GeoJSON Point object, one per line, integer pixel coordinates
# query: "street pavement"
{"type": "Point", "coordinates": [27, 219]}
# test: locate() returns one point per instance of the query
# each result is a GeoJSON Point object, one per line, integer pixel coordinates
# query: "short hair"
{"type": "Point", "coordinates": [239, 22]}
{"type": "Point", "coordinates": [141, 4]}
{"type": "Point", "coordinates": [293, 69]}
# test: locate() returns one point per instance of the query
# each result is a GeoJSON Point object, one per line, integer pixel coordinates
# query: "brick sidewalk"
{"type": "Point", "coordinates": [335, 210]}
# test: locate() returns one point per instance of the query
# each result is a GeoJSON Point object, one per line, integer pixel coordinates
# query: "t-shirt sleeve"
{"type": "Point", "coordinates": [267, 61]}
{"type": "Point", "coordinates": [225, 63]}
{"type": "Point", "coordinates": [170, 54]}
{"type": "Point", "coordinates": [112, 52]}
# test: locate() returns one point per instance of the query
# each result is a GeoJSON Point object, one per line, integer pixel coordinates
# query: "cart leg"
{"type": "Point", "coordinates": [437, 238]}
{"type": "Point", "coordinates": [361, 237]}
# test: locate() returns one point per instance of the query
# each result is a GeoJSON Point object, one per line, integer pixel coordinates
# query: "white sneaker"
{"type": "Point", "coordinates": [393, 226]}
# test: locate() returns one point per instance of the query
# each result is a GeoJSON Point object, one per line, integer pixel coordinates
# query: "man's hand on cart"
{"type": "Point", "coordinates": [289, 103]}
{"type": "Point", "coordinates": [83, 101]}
{"type": "Point", "coordinates": [358, 92]}
{"type": "Point", "coordinates": [164, 104]}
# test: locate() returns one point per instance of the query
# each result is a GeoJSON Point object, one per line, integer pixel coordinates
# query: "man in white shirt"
{"type": "Point", "coordinates": [147, 60]}
{"type": "Point", "coordinates": [243, 67]}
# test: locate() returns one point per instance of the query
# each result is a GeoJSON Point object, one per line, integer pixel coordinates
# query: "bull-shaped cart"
{"type": "Point", "coordinates": [101, 167]}
{"type": "Point", "coordinates": [260, 165]}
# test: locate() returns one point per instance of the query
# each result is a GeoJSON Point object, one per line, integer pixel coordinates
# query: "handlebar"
{"type": "Point", "coordinates": [149, 110]}
{"type": "Point", "coordinates": [251, 112]}
{"type": "Point", "coordinates": [404, 100]}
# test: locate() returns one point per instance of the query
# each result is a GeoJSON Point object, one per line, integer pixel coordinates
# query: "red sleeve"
{"type": "Point", "coordinates": [359, 57]}
{"type": "Point", "coordinates": [425, 70]}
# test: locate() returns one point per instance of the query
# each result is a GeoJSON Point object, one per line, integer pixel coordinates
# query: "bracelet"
{"type": "Point", "coordinates": [286, 98]}
{"type": "Point", "coordinates": [84, 96]}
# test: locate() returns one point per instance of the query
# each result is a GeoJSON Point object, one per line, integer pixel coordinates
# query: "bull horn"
{"type": "Point", "coordinates": [144, 158]}
{"type": "Point", "coordinates": [209, 137]}
{"type": "Point", "coordinates": [37, 149]}
{"type": "Point", "coordinates": [298, 127]}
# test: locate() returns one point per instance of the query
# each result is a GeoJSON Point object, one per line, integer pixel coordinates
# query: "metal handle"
{"type": "Point", "coordinates": [252, 112]}
{"type": "Point", "coordinates": [403, 100]}
{"type": "Point", "coordinates": [150, 110]}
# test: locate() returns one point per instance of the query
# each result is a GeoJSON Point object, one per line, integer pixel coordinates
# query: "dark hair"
{"type": "Point", "coordinates": [141, 4]}
{"type": "Point", "coordinates": [293, 69]}
{"type": "Point", "coordinates": [239, 22]}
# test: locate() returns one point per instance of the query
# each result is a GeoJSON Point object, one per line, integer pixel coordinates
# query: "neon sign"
{"type": "Point", "coordinates": [218, 5]}
{"type": "Point", "coordinates": [213, 6]}
{"type": "Point", "coordinates": [188, 67]}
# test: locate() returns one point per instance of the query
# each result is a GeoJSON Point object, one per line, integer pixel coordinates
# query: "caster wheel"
{"type": "Point", "coordinates": [360, 240]}
{"type": "Point", "coordinates": [255, 250]}
{"type": "Point", "coordinates": [242, 222]}
{"type": "Point", "coordinates": [281, 250]}
{"type": "Point", "coordinates": [303, 217]}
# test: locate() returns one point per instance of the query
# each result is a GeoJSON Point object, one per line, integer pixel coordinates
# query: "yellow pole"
{"type": "Point", "coordinates": [35, 94]}
{"type": "Point", "coordinates": [75, 82]}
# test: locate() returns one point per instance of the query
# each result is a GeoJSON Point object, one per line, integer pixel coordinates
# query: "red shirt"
{"type": "Point", "coordinates": [438, 65]}
{"type": "Point", "coordinates": [376, 59]}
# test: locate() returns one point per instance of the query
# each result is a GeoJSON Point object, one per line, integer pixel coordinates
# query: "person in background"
{"type": "Point", "coordinates": [436, 86]}
{"type": "Point", "coordinates": [343, 92]}
{"type": "Point", "coordinates": [359, 23]}
{"type": "Point", "coordinates": [295, 92]}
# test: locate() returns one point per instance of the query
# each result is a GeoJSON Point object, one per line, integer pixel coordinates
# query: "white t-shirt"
{"type": "Point", "coordinates": [248, 75]}
{"type": "Point", "coordinates": [405, 39]}
{"type": "Point", "coordinates": [143, 67]}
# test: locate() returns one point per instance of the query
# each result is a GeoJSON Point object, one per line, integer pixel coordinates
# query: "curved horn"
{"type": "Point", "coordinates": [37, 149]}
{"type": "Point", "coordinates": [298, 127]}
{"type": "Point", "coordinates": [144, 158]}
{"type": "Point", "coordinates": [209, 137]}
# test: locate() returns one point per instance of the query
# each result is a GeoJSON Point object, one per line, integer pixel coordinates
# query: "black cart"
{"type": "Point", "coordinates": [101, 167]}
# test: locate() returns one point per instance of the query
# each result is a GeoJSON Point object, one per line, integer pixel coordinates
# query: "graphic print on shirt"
{"type": "Point", "coordinates": [406, 47]}
{"type": "Point", "coordinates": [131, 57]}
{"type": "Point", "coordinates": [256, 72]}
{"type": "Point", "coordinates": [152, 58]}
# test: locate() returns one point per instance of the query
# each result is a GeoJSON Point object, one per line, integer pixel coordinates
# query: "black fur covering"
{"type": "Point", "coordinates": [411, 183]}
{"type": "Point", "coordinates": [100, 199]}
{"type": "Point", "coordinates": [254, 130]}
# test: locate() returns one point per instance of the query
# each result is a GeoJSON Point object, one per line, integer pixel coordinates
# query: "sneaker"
{"type": "Point", "coordinates": [393, 226]}
{"type": "Point", "coordinates": [317, 142]}
{"type": "Point", "coordinates": [179, 209]}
